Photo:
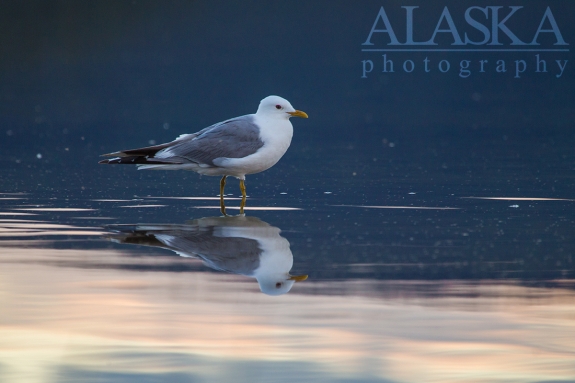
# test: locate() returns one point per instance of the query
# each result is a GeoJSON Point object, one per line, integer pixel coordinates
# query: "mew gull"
{"type": "Point", "coordinates": [243, 145]}
{"type": "Point", "coordinates": [240, 245]}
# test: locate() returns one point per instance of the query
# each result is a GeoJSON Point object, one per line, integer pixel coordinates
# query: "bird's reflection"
{"type": "Point", "coordinates": [236, 244]}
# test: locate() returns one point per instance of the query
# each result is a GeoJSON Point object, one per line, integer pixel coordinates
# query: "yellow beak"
{"type": "Point", "coordinates": [297, 278]}
{"type": "Point", "coordinates": [298, 113]}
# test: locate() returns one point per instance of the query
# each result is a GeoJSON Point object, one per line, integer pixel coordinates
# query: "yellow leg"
{"type": "Point", "coordinates": [243, 190]}
{"type": "Point", "coordinates": [222, 186]}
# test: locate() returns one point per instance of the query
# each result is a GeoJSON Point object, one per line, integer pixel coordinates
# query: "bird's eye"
{"type": "Point", "coordinates": [278, 285]}
{"type": "Point", "coordinates": [278, 107]}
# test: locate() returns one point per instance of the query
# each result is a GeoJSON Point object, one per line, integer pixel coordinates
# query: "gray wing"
{"type": "Point", "coordinates": [236, 255]}
{"type": "Point", "coordinates": [232, 254]}
{"type": "Point", "coordinates": [235, 138]}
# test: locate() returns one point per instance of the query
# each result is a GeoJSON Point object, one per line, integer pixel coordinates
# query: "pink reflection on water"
{"type": "Point", "coordinates": [447, 331]}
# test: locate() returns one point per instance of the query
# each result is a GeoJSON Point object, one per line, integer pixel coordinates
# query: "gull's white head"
{"type": "Point", "coordinates": [278, 107]}
{"type": "Point", "coordinates": [278, 284]}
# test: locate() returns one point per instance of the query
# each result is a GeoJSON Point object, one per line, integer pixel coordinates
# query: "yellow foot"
{"type": "Point", "coordinates": [222, 204]}
{"type": "Point", "coordinates": [243, 190]}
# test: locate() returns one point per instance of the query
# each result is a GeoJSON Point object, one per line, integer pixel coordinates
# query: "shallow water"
{"type": "Point", "coordinates": [429, 281]}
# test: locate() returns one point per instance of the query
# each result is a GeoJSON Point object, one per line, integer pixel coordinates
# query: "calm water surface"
{"type": "Point", "coordinates": [128, 277]}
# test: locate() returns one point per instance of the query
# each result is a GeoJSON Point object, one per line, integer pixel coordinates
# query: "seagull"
{"type": "Point", "coordinates": [236, 147]}
{"type": "Point", "coordinates": [235, 244]}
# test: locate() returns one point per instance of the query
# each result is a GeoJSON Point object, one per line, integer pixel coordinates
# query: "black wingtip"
{"type": "Point", "coordinates": [115, 154]}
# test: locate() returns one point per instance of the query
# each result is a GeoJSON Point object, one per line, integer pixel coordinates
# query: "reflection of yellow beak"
{"type": "Point", "coordinates": [297, 278]}
{"type": "Point", "coordinates": [298, 113]}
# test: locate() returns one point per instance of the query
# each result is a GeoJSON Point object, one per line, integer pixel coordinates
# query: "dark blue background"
{"type": "Point", "coordinates": [128, 67]}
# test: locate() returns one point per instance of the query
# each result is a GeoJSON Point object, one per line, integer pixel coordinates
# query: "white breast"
{"type": "Point", "coordinates": [276, 134]}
